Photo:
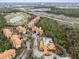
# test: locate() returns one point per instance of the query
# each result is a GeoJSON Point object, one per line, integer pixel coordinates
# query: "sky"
{"type": "Point", "coordinates": [39, 0]}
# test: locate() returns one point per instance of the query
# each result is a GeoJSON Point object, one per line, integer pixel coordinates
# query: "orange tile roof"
{"type": "Point", "coordinates": [33, 21]}
{"type": "Point", "coordinates": [7, 33]}
{"type": "Point", "coordinates": [50, 46]}
{"type": "Point", "coordinates": [37, 30]}
{"type": "Point", "coordinates": [16, 40]}
{"type": "Point", "coordinates": [21, 29]}
{"type": "Point", "coordinates": [30, 24]}
{"type": "Point", "coordinates": [7, 54]}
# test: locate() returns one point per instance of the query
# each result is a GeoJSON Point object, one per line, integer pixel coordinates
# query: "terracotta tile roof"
{"type": "Point", "coordinates": [46, 45]}
{"type": "Point", "coordinates": [16, 41]}
{"type": "Point", "coordinates": [33, 21]}
{"type": "Point", "coordinates": [7, 33]}
{"type": "Point", "coordinates": [7, 54]}
{"type": "Point", "coordinates": [37, 30]}
{"type": "Point", "coordinates": [21, 29]}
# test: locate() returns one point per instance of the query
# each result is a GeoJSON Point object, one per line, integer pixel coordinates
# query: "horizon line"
{"type": "Point", "coordinates": [39, 2]}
